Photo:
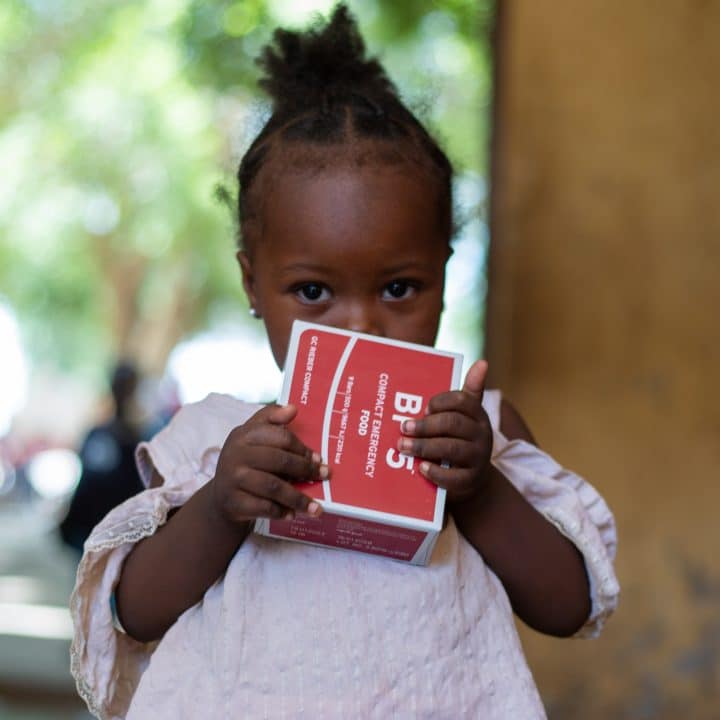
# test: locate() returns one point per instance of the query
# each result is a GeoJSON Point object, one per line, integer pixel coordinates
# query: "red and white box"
{"type": "Point", "coordinates": [352, 392]}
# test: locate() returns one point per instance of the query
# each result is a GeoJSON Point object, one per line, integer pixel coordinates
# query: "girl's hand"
{"type": "Point", "coordinates": [455, 430]}
{"type": "Point", "coordinates": [257, 466]}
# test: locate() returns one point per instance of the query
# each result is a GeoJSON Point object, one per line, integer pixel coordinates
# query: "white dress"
{"type": "Point", "coordinates": [297, 631]}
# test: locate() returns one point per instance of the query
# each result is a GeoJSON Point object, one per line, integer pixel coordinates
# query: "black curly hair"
{"type": "Point", "coordinates": [332, 104]}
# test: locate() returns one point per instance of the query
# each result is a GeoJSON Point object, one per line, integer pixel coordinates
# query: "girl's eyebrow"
{"type": "Point", "coordinates": [399, 268]}
{"type": "Point", "coordinates": [303, 267]}
{"type": "Point", "coordinates": [408, 266]}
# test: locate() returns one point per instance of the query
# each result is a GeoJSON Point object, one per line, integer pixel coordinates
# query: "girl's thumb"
{"type": "Point", "coordinates": [475, 378]}
{"type": "Point", "coordinates": [282, 414]}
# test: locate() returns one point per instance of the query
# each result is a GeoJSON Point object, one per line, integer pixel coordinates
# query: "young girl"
{"type": "Point", "coordinates": [345, 216]}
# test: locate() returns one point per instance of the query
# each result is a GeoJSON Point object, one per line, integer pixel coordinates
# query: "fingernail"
{"type": "Point", "coordinates": [324, 472]}
{"type": "Point", "coordinates": [289, 515]}
{"type": "Point", "coordinates": [316, 458]}
{"type": "Point", "coordinates": [408, 427]}
{"type": "Point", "coordinates": [425, 468]}
{"type": "Point", "coordinates": [405, 445]}
{"type": "Point", "coordinates": [314, 509]}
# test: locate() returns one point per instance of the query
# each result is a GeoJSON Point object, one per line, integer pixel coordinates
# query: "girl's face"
{"type": "Point", "coordinates": [354, 248]}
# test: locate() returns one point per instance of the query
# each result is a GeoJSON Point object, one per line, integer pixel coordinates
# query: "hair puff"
{"type": "Point", "coordinates": [322, 66]}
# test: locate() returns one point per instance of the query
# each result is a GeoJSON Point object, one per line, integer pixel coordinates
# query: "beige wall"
{"type": "Point", "coordinates": [604, 320]}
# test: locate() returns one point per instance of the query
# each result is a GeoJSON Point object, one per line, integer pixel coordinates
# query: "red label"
{"type": "Point", "coordinates": [350, 534]}
{"type": "Point", "coordinates": [352, 394]}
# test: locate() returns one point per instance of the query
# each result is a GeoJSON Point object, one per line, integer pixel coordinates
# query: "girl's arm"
{"type": "Point", "coordinates": [541, 570]}
{"type": "Point", "coordinates": [169, 572]}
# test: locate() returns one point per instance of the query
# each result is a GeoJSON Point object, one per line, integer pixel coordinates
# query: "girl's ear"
{"type": "Point", "coordinates": [248, 280]}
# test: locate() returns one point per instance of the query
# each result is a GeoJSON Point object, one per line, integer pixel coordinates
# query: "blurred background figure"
{"type": "Point", "coordinates": [109, 475]}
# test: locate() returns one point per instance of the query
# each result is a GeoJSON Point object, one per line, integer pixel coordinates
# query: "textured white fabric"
{"type": "Point", "coordinates": [296, 631]}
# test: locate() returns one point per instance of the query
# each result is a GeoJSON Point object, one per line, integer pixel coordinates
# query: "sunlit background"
{"type": "Point", "coordinates": [117, 123]}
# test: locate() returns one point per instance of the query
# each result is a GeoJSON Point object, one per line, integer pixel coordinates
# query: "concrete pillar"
{"type": "Point", "coordinates": [604, 320]}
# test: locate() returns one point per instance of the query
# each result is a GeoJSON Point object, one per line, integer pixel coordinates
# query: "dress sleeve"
{"type": "Point", "coordinates": [571, 504]}
{"type": "Point", "coordinates": [105, 662]}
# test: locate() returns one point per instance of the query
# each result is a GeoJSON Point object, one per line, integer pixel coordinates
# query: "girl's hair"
{"type": "Point", "coordinates": [331, 104]}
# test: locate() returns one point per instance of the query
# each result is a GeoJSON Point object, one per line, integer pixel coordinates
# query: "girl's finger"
{"type": "Point", "coordinates": [244, 506]}
{"type": "Point", "coordinates": [457, 452]}
{"type": "Point", "coordinates": [276, 414]}
{"type": "Point", "coordinates": [456, 481]}
{"type": "Point", "coordinates": [444, 424]}
{"type": "Point", "coordinates": [284, 463]}
{"type": "Point", "coordinates": [457, 401]}
{"type": "Point", "coordinates": [475, 379]}
{"type": "Point", "coordinates": [281, 437]}
{"type": "Point", "coordinates": [268, 487]}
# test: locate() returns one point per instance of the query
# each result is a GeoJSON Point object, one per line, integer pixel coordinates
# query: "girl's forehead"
{"type": "Point", "coordinates": [353, 221]}
{"type": "Point", "coordinates": [351, 196]}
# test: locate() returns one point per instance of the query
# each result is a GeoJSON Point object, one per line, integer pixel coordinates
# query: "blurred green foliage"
{"type": "Point", "coordinates": [117, 120]}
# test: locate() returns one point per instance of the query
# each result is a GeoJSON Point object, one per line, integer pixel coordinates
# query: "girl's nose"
{"type": "Point", "coordinates": [362, 317]}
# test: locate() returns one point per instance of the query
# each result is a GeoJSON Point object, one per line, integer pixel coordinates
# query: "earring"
{"type": "Point", "coordinates": [253, 312]}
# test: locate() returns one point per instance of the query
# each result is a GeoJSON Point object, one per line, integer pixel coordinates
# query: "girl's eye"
{"type": "Point", "coordinates": [312, 292]}
{"type": "Point", "coordinates": [399, 290]}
